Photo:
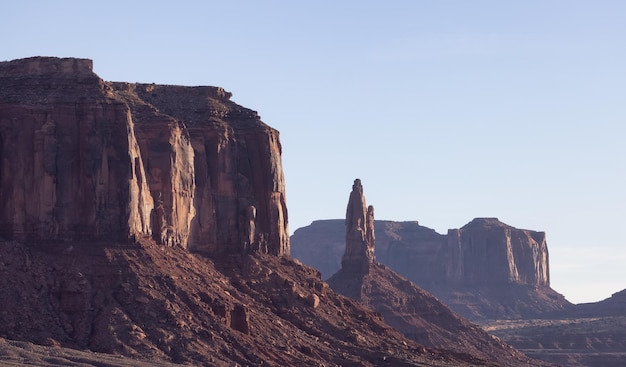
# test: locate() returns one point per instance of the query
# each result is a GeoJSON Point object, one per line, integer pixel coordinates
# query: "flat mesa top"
{"type": "Point", "coordinates": [46, 65]}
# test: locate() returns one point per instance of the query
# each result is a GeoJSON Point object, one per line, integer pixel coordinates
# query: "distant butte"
{"type": "Point", "coordinates": [486, 269]}
{"type": "Point", "coordinates": [403, 305]}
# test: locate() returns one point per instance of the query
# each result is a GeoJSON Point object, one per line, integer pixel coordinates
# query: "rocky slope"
{"type": "Point", "coordinates": [155, 303]}
{"type": "Point", "coordinates": [403, 305]}
{"type": "Point", "coordinates": [19, 354]}
{"type": "Point", "coordinates": [484, 270]}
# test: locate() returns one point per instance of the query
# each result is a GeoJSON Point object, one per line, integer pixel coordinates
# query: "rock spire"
{"type": "Point", "coordinates": [359, 231]}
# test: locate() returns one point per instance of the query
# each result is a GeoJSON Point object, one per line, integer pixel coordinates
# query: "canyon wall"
{"type": "Point", "coordinates": [483, 270]}
{"type": "Point", "coordinates": [485, 251]}
{"type": "Point", "coordinates": [488, 251]}
{"type": "Point", "coordinates": [82, 159]}
{"type": "Point", "coordinates": [70, 165]}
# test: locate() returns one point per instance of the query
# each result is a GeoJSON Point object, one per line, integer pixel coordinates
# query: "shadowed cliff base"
{"type": "Point", "coordinates": [154, 303]}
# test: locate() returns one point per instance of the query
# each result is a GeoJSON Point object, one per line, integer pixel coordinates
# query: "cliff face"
{"type": "Point", "coordinates": [485, 269]}
{"type": "Point", "coordinates": [239, 198]}
{"type": "Point", "coordinates": [402, 304]}
{"type": "Point", "coordinates": [487, 251]}
{"type": "Point", "coordinates": [483, 252]}
{"type": "Point", "coordinates": [70, 165]}
{"type": "Point", "coordinates": [84, 159]}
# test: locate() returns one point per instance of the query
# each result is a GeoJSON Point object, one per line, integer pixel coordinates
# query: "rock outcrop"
{"type": "Point", "coordinates": [70, 165]}
{"type": "Point", "coordinates": [82, 159]}
{"type": "Point", "coordinates": [486, 269]}
{"type": "Point", "coordinates": [359, 231]}
{"type": "Point", "coordinates": [403, 305]}
{"type": "Point", "coordinates": [484, 251]}
{"type": "Point", "coordinates": [239, 199]}
{"type": "Point", "coordinates": [488, 251]}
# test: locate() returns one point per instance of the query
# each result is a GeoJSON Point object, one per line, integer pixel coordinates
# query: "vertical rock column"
{"type": "Point", "coordinates": [359, 231]}
{"type": "Point", "coordinates": [70, 167]}
{"type": "Point", "coordinates": [170, 162]}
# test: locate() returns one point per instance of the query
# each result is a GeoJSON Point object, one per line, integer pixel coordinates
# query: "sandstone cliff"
{"type": "Point", "coordinates": [402, 304]}
{"type": "Point", "coordinates": [70, 166]}
{"type": "Point", "coordinates": [484, 251]}
{"type": "Point", "coordinates": [488, 251]}
{"type": "Point", "coordinates": [84, 159]}
{"type": "Point", "coordinates": [486, 269]}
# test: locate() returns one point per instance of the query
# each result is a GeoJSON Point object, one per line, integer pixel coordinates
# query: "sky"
{"type": "Point", "coordinates": [446, 110]}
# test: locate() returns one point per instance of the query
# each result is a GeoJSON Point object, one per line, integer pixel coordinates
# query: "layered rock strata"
{"type": "Point", "coordinates": [70, 165]}
{"type": "Point", "coordinates": [484, 251]}
{"type": "Point", "coordinates": [84, 159]}
{"type": "Point", "coordinates": [402, 304]}
{"type": "Point", "coordinates": [489, 251]}
{"type": "Point", "coordinates": [485, 269]}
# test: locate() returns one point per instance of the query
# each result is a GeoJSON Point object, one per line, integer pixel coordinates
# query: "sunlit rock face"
{"type": "Point", "coordinates": [85, 159]}
{"type": "Point", "coordinates": [239, 202]}
{"type": "Point", "coordinates": [71, 167]}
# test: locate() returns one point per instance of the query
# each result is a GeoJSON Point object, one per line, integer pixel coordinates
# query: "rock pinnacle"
{"type": "Point", "coordinates": [359, 231]}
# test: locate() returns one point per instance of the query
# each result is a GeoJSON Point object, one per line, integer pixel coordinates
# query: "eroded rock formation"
{"type": "Point", "coordinates": [488, 251]}
{"type": "Point", "coordinates": [402, 304]}
{"type": "Point", "coordinates": [485, 269]}
{"type": "Point", "coordinates": [84, 159]}
{"type": "Point", "coordinates": [70, 163]}
{"type": "Point", "coordinates": [484, 251]}
{"type": "Point", "coordinates": [359, 230]}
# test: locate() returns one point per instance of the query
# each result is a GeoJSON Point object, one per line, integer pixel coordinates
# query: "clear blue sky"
{"type": "Point", "coordinates": [447, 110]}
